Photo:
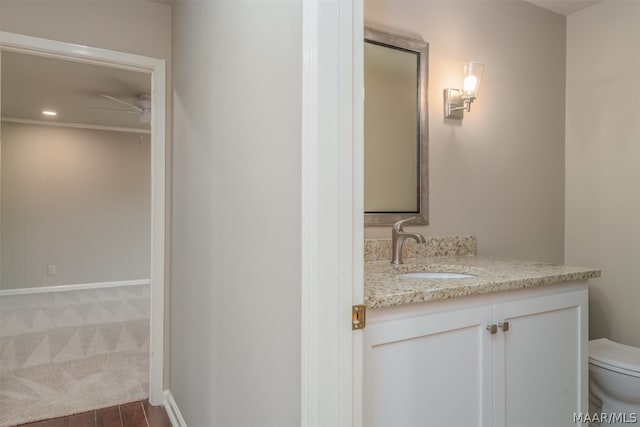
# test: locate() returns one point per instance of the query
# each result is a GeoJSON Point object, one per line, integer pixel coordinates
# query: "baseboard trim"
{"type": "Point", "coordinates": [173, 411]}
{"type": "Point", "coordinates": [77, 287]}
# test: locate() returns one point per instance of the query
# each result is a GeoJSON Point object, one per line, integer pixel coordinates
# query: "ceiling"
{"type": "Point", "coordinates": [32, 83]}
{"type": "Point", "coordinates": [564, 7]}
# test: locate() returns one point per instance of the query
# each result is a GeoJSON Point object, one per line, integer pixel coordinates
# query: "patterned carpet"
{"type": "Point", "coordinates": [68, 352]}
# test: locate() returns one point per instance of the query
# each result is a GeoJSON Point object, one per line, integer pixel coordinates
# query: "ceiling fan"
{"type": "Point", "coordinates": [142, 106]}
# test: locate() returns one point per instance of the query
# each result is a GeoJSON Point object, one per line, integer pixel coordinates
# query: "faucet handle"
{"type": "Point", "coordinates": [398, 226]}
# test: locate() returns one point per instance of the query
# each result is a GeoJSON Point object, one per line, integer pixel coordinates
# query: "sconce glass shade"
{"type": "Point", "coordinates": [472, 76]}
{"type": "Point", "coordinates": [457, 101]}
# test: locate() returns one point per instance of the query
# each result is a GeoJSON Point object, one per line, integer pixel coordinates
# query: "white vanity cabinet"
{"type": "Point", "coordinates": [439, 364]}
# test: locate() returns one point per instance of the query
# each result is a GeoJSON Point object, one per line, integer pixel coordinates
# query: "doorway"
{"type": "Point", "coordinates": [154, 107]}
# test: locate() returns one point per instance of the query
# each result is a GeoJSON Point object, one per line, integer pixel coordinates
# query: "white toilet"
{"type": "Point", "coordinates": [614, 377]}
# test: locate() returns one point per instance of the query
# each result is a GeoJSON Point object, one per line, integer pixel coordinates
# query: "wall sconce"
{"type": "Point", "coordinates": [457, 101]}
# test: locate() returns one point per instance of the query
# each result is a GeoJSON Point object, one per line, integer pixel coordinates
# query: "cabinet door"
{"type": "Point", "coordinates": [541, 361]}
{"type": "Point", "coordinates": [429, 370]}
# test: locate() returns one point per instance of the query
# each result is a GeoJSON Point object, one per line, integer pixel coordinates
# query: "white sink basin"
{"type": "Point", "coordinates": [436, 275]}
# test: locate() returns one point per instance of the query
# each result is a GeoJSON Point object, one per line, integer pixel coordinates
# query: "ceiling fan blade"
{"type": "Point", "coordinates": [128, 104]}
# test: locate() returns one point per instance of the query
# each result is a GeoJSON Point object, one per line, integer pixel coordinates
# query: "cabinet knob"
{"type": "Point", "coordinates": [504, 326]}
{"type": "Point", "coordinates": [493, 329]}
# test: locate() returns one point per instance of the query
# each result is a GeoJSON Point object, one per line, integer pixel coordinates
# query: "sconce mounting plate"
{"type": "Point", "coordinates": [453, 104]}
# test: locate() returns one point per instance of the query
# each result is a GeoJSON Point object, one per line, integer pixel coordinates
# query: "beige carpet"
{"type": "Point", "coordinates": [72, 352]}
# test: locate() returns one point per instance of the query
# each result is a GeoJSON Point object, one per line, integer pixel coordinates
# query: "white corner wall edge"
{"type": "Point", "coordinates": [74, 287]}
{"type": "Point", "coordinates": [173, 411]}
{"type": "Point", "coordinates": [157, 68]}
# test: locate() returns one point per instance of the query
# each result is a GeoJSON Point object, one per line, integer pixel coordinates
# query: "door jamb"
{"type": "Point", "coordinates": [332, 212]}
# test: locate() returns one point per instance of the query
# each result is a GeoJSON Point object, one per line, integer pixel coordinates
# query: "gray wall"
{"type": "Point", "coordinates": [499, 173]}
{"type": "Point", "coordinates": [134, 26]}
{"type": "Point", "coordinates": [78, 199]}
{"type": "Point", "coordinates": [603, 162]}
{"type": "Point", "coordinates": [235, 298]}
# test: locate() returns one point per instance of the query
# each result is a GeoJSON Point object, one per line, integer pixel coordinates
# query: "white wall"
{"type": "Point", "coordinates": [78, 199]}
{"type": "Point", "coordinates": [499, 173]}
{"type": "Point", "coordinates": [603, 162]}
{"type": "Point", "coordinates": [235, 299]}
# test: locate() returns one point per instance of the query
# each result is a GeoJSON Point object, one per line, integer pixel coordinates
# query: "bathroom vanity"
{"type": "Point", "coordinates": [504, 346]}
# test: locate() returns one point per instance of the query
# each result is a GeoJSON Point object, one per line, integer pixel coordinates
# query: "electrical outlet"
{"type": "Point", "coordinates": [51, 269]}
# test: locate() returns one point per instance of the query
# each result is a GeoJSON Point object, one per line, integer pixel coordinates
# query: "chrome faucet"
{"type": "Point", "coordinates": [398, 236]}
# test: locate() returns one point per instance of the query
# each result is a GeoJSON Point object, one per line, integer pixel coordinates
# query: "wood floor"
{"type": "Point", "coordinates": [136, 414]}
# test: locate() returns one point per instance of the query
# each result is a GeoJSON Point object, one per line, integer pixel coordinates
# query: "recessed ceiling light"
{"type": "Point", "coordinates": [49, 113]}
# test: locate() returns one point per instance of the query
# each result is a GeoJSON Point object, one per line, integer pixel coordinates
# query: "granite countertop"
{"type": "Point", "coordinates": [383, 287]}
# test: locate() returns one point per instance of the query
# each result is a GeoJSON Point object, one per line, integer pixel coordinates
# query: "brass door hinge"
{"type": "Point", "coordinates": [358, 317]}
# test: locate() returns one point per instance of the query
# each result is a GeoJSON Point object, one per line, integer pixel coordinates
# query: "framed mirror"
{"type": "Point", "coordinates": [395, 128]}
